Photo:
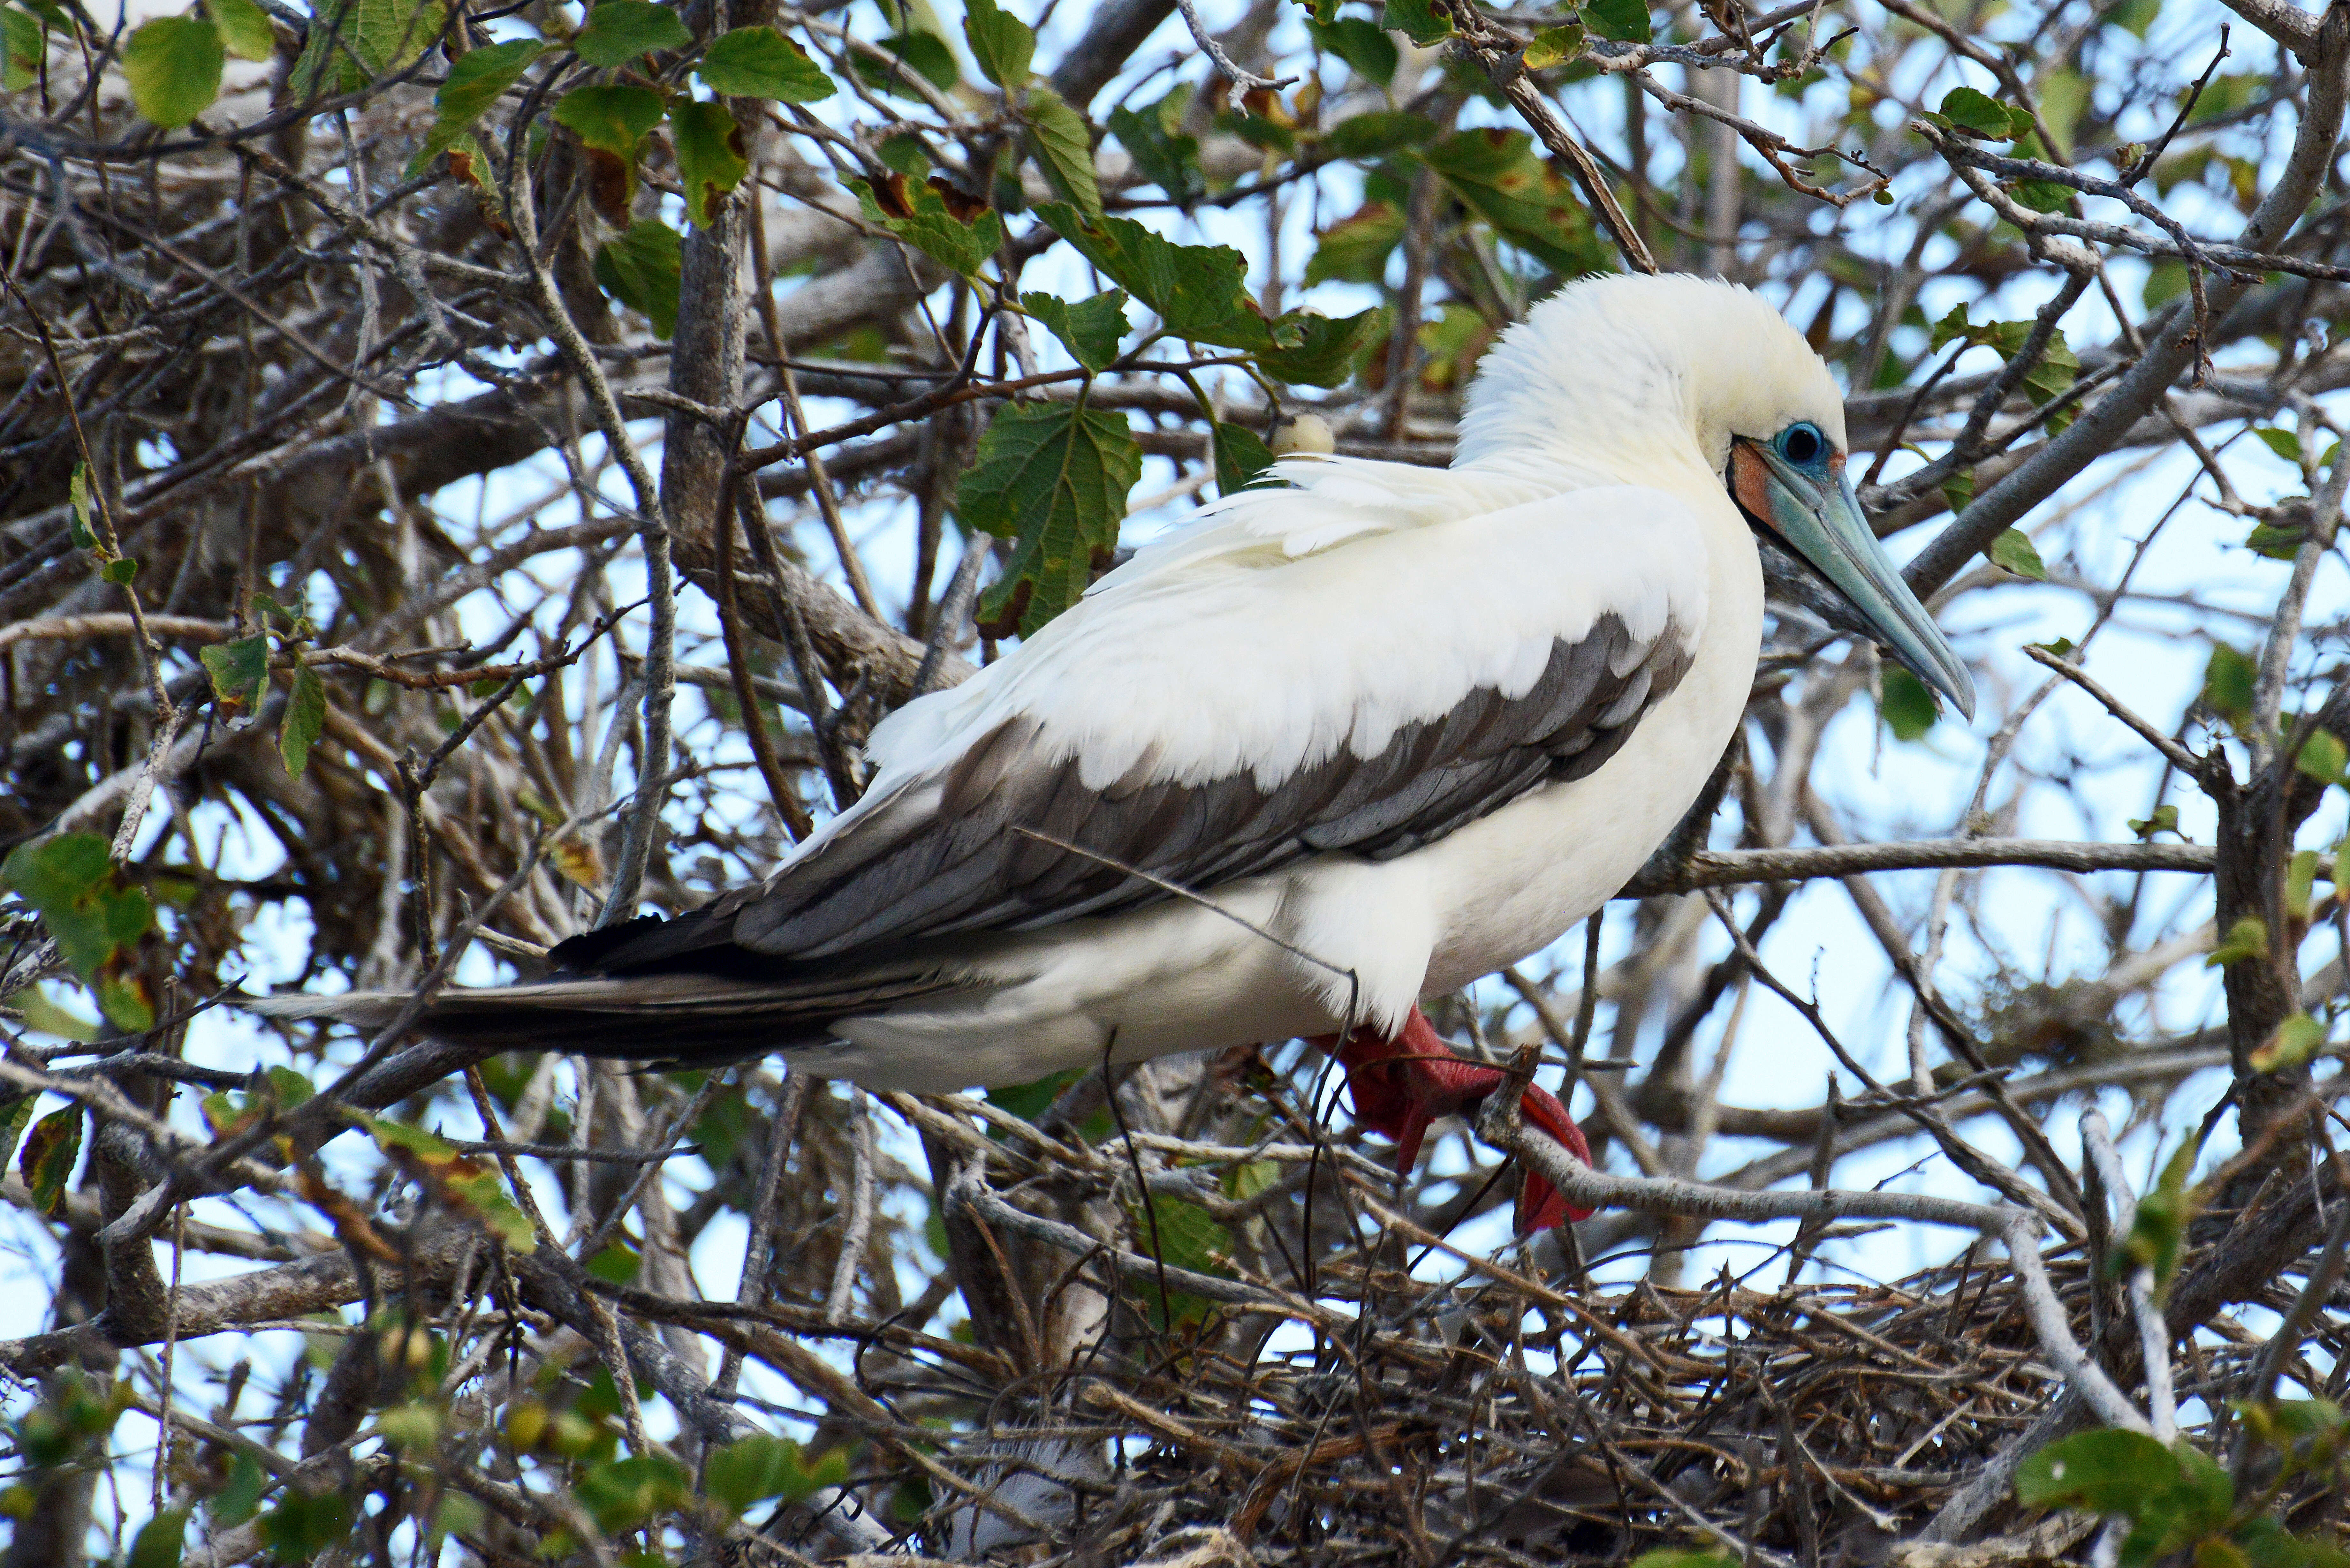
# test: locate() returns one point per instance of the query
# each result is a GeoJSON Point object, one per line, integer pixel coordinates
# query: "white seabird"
{"type": "Point", "coordinates": [1387, 729]}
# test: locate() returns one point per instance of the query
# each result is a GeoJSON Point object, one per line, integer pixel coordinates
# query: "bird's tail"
{"type": "Point", "coordinates": [690, 1020]}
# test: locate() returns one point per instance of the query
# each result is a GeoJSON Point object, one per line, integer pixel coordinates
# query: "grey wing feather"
{"type": "Point", "coordinates": [998, 842]}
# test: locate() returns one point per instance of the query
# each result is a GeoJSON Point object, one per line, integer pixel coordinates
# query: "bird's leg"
{"type": "Point", "coordinates": [1402, 1083]}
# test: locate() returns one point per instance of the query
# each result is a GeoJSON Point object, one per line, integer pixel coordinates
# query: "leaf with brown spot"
{"type": "Point", "coordinates": [962, 208]}
{"type": "Point", "coordinates": [50, 1150]}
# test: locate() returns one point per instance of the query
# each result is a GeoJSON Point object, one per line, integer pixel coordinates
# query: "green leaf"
{"type": "Point", "coordinates": [2247, 939]}
{"type": "Point", "coordinates": [919, 215]}
{"type": "Point", "coordinates": [1416, 20]}
{"type": "Point", "coordinates": [641, 269]}
{"type": "Point", "coordinates": [2227, 684]}
{"type": "Point", "coordinates": [1361, 44]}
{"type": "Point", "coordinates": [2112, 1472]}
{"type": "Point", "coordinates": [1555, 47]}
{"type": "Point", "coordinates": [621, 1494]}
{"type": "Point", "coordinates": [1683, 1557]}
{"type": "Point", "coordinates": [2041, 195]}
{"type": "Point", "coordinates": [1187, 1236]}
{"type": "Point", "coordinates": [1377, 134]}
{"type": "Point", "coordinates": [161, 1540]}
{"type": "Point", "coordinates": [234, 1504]}
{"type": "Point", "coordinates": [2276, 543]}
{"type": "Point", "coordinates": [82, 896]}
{"type": "Point", "coordinates": [1199, 291]}
{"type": "Point", "coordinates": [760, 62]}
{"type": "Point", "coordinates": [2324, 758]}
{"type": "Point", "coordinates": [47, 1158]}
{"type": "Point", "coordinates": [1002, 43]}
{"type": "Point", "coordinates": [478, 80]}
{"type": "Point", "coordinates": [1976, 113]}
{"type": "Point", "coordinates": [926, 55]}
{"type": "Point", "coordinates": [1499, 176]}
{"type": "Point", "coordinates": [2296, 1040]}
{"type": "Point", "coordinates": [615, 1264]}
{"type": "Point", "coordinates": [2158, 1226]}
{"type": "Point", "coordinates": [354, 43]}
{"type": "Point", "coordinates": [122, 571]}
{"type": "Point", "coordinates": [1356, 249]}
{"type": "Point", "coordinates": [414, 1428]}
{"type": "Point", "coordinates": [620, 31]}
{"type": "Point", "coordinates": [1163, 155]}
{"type": "Point", "coordinates": [2285, 443]}
{"type": "Point", "coordinates": [1031, 1100]}
{"type": "Point", "coordinates": [23, 45]}
{"type": "Point", "coordinates": [1055, 476]}
{"type": "Point", "coordinates": [1241, 456]}
{"type": "Point", "coordinates": [305, 722]}
{"type": "Point", "coordinates": [1953, 326]}
{"type": "Point", "coordinates": [2164, 820]}
{"type": "Point", "coordinates": [1064, 150]}
{"type": "Point", "coordinates": [304, 1523]}
{"type": "Point", "coordinates": [238, 669]}
{"type": "Point", "coordinates": [2013, 551]}
{"type": "Point", "coordinates": [1907, 707]}
{"type": "Point", "coordinates": [1090, 329]}
{"type": "Point", "coordinates": [613, 118]}
{"type": "Point", "coordinates": [244, 28]}
{"type": "Point", "coordinates": [1316, 350]}
{"type": "Point", "coordinates": [751, 1470]}
{"type": "Point", "coordinates": [173, 67]}
{"type": "Point", "coordinates": [18, 1110]}
{"type": "Point", "coordinates": [710, 157]}
{"type": "Point", "coordinates": [1625, 21]}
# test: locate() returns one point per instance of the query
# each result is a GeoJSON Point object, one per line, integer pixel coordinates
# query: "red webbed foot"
{"type": "Point", "coordinates": [1401, 1085]}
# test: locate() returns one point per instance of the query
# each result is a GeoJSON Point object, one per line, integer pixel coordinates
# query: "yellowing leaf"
{"type": "Point", "coordinates": [82, 896]}
{"type": "Point", "coordinates": [2296, 1040]}
{"type": "Point", "coordinates": [1555, 47]}
{"type": "Point", "coordinates": [458, 1180]}
{"type": "Point", "coordinates": [47, 1159]}
{"type": "Point", "coordinates": [238, 669]}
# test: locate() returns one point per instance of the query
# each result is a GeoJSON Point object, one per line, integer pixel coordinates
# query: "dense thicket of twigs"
{"type": "Point", "coordinates": [485, 468]}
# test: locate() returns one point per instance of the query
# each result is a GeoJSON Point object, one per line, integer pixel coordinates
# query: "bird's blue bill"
{"type": "Point", "coordinates": [1814, 512]}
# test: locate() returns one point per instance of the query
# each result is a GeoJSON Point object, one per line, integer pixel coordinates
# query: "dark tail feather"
{"type": "Point", "coordinates": [690, 1020]}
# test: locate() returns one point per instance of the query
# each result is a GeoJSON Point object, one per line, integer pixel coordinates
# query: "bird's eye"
{"type": "Point", "coordinates": [1802, 443]}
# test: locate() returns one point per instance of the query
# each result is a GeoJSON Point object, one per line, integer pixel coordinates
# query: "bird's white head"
{"type": "Point", "coordinates": [1623, 372]}
{"type": "Point", "coordinates": [1687, 382]}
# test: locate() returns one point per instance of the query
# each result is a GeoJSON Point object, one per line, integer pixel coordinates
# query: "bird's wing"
{"type": "Point", "coordinates": [1362, 665]}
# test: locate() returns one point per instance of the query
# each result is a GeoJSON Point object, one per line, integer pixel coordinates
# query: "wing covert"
{"type": "Point", "coordinates": [1241, 711]}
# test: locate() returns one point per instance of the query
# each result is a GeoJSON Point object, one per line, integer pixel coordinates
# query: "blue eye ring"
{"type": "Point", "coordinates": [1802, 443]}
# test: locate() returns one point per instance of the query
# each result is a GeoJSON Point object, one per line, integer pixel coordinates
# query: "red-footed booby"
{"type": "Point", "coordinates": [1358, 736]}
